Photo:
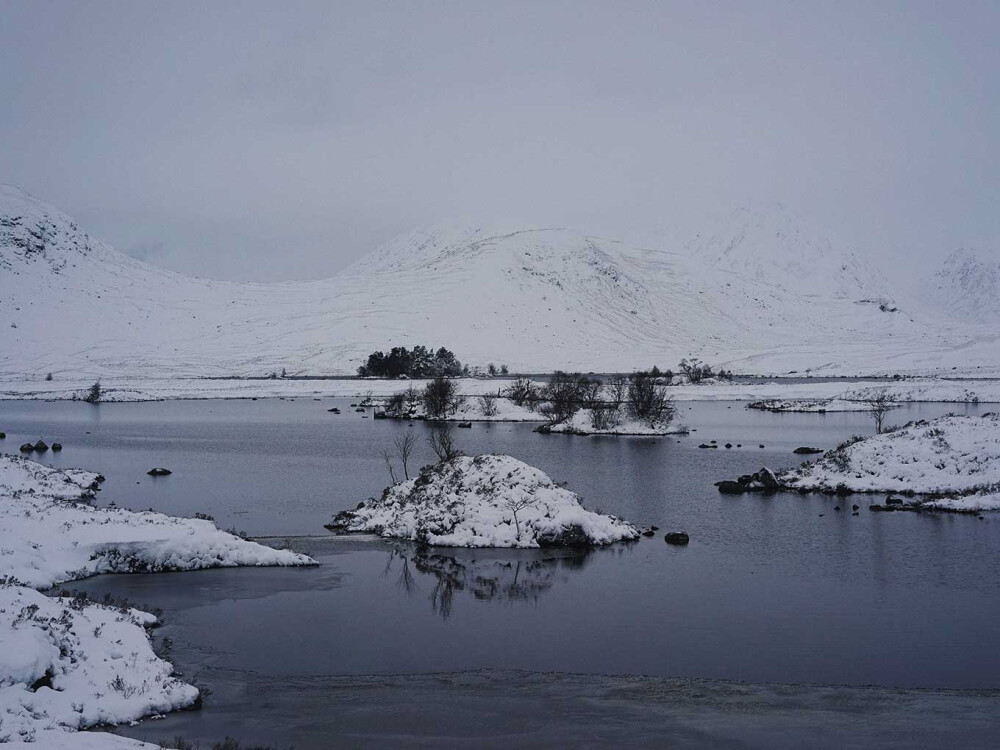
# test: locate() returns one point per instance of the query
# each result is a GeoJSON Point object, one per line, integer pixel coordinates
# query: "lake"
{"type": "Point", "coordinates": [784, 623]}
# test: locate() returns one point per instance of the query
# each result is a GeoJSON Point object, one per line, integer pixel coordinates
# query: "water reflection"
{"type": "Point", "coordinates": [507, 576]}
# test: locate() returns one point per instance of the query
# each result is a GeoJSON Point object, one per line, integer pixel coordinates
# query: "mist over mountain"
{"type": "Point", "coordinates": [762, 292]}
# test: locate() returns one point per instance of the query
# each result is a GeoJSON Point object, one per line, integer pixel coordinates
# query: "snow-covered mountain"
{"type": "Point", "coordinates": [967, 287]}
{"type": "Point", "coordinates": [535, 299]}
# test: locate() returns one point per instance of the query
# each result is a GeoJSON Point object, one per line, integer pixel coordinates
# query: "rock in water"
{"type": "Point", "coordinates": [56, 447]}
{"type": "Point", "coordinates": [159, 472]}
{"type": "Point", "coordinates": [807, 451]}
{"type": "Point", "coordinates": [41, 446]}
{"type": "Point", "coordinates": [731, 488]}
{"type": "Point", "coordinates": [27, 448]}
{"type": "Point", "coordinates": [677, 537]}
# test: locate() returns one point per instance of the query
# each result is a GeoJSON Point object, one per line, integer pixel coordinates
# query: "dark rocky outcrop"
{"type": "Point", "coordinates": [679, 538]}
{"type": "Point", "coordinates": [41, 446]}
{"type": "Point", "coordinates": [27, 448]}
{"type": "Point", "coordinates": [159, 472]}
{"type": "Point", "coordinates": [805, 450]}
{"type": "Point", "coordinates": [728, 487]}
{"type": "Point", "coordinates": [56, 447]}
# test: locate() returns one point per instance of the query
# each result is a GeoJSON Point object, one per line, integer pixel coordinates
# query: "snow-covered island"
{"type": "Point", "coordinates": [597, 422]}
{"type": "Point", "coordinates": [484, 501]}
{"type": "Point", "coordinates": [68, 663]}
{"type": "Point", "coordinates": [950, 463]}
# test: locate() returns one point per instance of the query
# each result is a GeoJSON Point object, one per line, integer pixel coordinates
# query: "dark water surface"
{"type": "Point", "coordinates": [386, 644]}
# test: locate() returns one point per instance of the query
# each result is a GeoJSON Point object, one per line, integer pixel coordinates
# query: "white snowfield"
{"type": "Point", "coordinates": [133, 389]}
{"type": "Point", "coordinates": [484, 501]}
{"type": "Point", "coordinates": [758, 294]}
{"type": "Point", "coordinates": [957, 456]}
{"type": "Point", "coordinates": [98, 660]}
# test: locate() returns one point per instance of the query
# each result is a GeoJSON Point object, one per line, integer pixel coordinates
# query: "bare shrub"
{"type": "Point", "coordinates": [605, 416]}
{"type": "Point", "coordinates": [522, 392]}
{"type": "Point", "coordinates": [396, 406]}
{"type": "Point", "coordinates": [488, 405]}
{"type": "Point", "coordinates": [695, 370]}
{"type": "Point", "coordinates": [440, 398]}
{"type": "Point", "coordinates": [443, 442]}
{"type": "Point", "coordinates": [616, 389]}
{"type": "Point", "coordinates": [648, 400]}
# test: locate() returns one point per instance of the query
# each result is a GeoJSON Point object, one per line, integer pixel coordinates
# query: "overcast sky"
{"type": "Point", "coordinates": [285, 139]}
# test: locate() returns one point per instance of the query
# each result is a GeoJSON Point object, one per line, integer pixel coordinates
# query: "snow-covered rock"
{"type": "Point", "coordinates": [68, 664]}
{"type": "Point", "coordinates": [484, 501]}
{"type": "Point", "coordinates": [49, 533]}
{"type": "Point", "coordinates": [954, 456]}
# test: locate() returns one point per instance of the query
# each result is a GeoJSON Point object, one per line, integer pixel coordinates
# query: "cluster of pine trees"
{"type": "Point", "coordinates": [419, 362]}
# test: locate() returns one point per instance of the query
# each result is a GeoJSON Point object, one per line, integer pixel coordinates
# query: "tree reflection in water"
{"type": "Point", "coordinates": [486, 575]}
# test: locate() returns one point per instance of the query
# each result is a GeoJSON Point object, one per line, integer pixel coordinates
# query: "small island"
{"type": "Point", "coordinates": [951, 463]}
{"type": "Point", "coordinates": [483, 501]}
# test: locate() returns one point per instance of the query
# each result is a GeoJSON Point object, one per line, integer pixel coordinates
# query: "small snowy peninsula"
{"type": "Point", "coordinates": [68, 663]}
{"type": "Point", "coordinates": [484, 501]}
{"type": "Point", "coordinates": [950, 463]}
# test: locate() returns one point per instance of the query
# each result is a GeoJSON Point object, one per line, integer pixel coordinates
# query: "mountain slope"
{"type": "Point", "coordinates": [535, 299]}
{"type": "Point", "coordinates": [967, 287]}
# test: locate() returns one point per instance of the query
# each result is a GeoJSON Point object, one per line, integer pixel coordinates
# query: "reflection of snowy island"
{"type": "Point", "coordinates": [953, 462]}
{"type": "Point", "coordinates": [484, 501]}
{"type": "Point", "coordinates": [67, 663]}
{"type": "Point", "coordinates": [503, 577]}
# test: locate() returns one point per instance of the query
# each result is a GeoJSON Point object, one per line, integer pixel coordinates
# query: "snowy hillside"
{"type": "Point", "coordinates": [761, 295]}
{"type": "Point", "coordinates": [967, 287]}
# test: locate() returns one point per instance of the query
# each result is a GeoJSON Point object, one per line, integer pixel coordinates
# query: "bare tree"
{"type": "Point", "coordinates": [488, 404]}
{"type": "Point", "coordinates": [443, 442]}
{"type": "Point", "coordinates": [617, 387]}
{"type": "Point", "coordinates": [648, 400]}
{"type": "Point", "coordinates": [516, 503]}
{"type": "Point", "coordinates": [440, 398]}
{"type": "Point", "coordinates": [405, 445]}
{"type": "Point", "coordinates": [878, 404]}
{"type": "Point", "coordinates": [387, 457]}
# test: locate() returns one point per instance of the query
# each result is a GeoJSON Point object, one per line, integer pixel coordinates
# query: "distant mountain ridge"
{"type": "Point", "coordinates": [760, 294]}
{"type": "Point", "coordinates": [968, 286]}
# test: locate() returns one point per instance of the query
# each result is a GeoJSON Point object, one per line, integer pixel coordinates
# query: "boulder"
{"type": "Point", "coordinates": [159, 472]}
{"type": "Point", "coordinates": [465, 425]}
{"type": "Point", "coordinates": [731, 488]}
{"type": "Point", "coordinates": [27, 448]}
{"type": "Point", "coordinates": [649, 532]}
{"type": "Point", "coordinates": [3, 435]}
{"type": "Point", "coordinates": [56, 447]}
{"type": "Point", "coordinates": [706, 445]}
{"type": "Point", "coordinates": [677, 537]}
{"type": "Point", "coordinates": [805, 450]}
{"type": "Point", "coordinates": [41, 446]}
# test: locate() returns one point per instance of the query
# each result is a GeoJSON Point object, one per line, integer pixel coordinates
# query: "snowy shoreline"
{"type": "Point", "coordinates": [930, 389]}
{"type": "Point", "coordinates": [66, 663]}
{"type": "Point", "coordinates": [950, 464]}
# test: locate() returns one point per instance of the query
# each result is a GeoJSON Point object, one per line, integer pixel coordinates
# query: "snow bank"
{"type": "Point", "coordinates": [958, 456]}
{"type": "Point", "coordinates": [485, 501]}
{"type": "Point", "coordinates": [46, 536]}
{"type": "Point", "coordinates": [582, 423]}
{"type": "Point", "coordinates": [66, 665]}
{"type": "Point", "coordinates": [139, 388]}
